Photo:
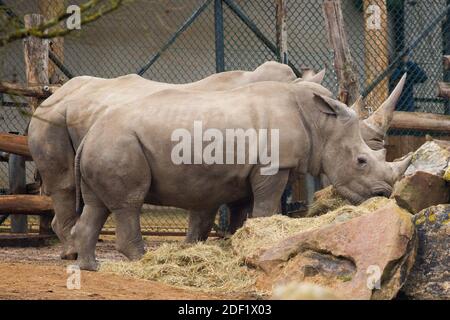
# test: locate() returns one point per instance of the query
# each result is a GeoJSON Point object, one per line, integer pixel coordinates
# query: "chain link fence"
{"type": "Point", "coordinates": [385, 36]}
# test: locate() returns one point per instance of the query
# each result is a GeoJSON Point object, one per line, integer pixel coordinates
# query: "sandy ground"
{"type": "Point", "coordinates": [38, 273]}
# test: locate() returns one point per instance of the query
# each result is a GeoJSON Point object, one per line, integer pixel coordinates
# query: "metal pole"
{"type": "Point", "coordinates": [174, 36]}
{"type": "Point", "coordinates": [241, 15]}
{"type": "Point", "coordinates": [446, 45]}
{"type": "Point", "coordinates": [218, 26]}
{"type": "Point", "coordinates": [17, 185]}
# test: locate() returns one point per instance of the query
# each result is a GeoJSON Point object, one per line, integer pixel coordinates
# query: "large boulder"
{"type": "Point", "coordinates": [364, 257]}
{"type": "Point", "coordinates": [426, 180]}
{"type": "Point", "coordinates": [430, 275]}
{"type": "Point", "coordinates": [432, 157]}
{"type": "Point", "coordinates": [421, 190]}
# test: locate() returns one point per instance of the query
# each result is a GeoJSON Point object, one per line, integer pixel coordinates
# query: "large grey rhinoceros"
{"type": "Point", "coordinates": [126, 159]}
{"type": "Point", "coordinates": [63, 119]}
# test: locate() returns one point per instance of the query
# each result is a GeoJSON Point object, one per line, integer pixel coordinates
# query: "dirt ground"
{"type": "Point", "coordinates": [38, 273]}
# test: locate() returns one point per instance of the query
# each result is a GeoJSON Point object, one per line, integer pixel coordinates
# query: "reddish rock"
{"type": "Point", "coordinates": [348, 257]}
{"type": "Point", "coordinates": [421, 190]}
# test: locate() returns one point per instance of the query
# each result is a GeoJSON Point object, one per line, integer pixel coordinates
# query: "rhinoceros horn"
{"type": "Point", "coordinates": [382, 118]}
{"type": "Point", "coordinates": [399, 167]}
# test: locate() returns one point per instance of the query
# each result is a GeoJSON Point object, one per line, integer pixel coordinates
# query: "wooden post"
{"type": "Point", "coordinates": [281, 30]}
{"type": "Point", "coordinates": [376, 49]}
{"type": "Point", "coordinates": [17, 185]}
{"type": "Point", "coordinates": [36, 62]}
{"type": "Point", "coordinates": [36, 57]}
{"type": "Point", "coordinates": [343, 63]}
{"type": "Point", "coordinates": [50, 9]}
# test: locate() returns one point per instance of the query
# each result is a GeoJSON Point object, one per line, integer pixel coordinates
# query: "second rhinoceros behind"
{"type": "Point", "coordinates": [126, 158]}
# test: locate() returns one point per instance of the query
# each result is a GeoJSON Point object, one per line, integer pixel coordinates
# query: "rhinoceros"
{"type": "Point", "coordinates": [127, 158]}
{"type": "Point", "coordinates": [63, 119]}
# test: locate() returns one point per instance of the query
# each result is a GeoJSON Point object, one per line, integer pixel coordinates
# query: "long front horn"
{"type": "Point", "coordinates": [399, 167]}
{"type": "Point", "coordinates": [383, 116]}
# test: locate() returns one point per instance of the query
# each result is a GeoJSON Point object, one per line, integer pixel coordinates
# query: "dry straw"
{"type": "Point", "coordinates": [219, 265]}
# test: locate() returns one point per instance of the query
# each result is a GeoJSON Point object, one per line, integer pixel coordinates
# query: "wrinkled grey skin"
{"type": "Point", "coordinates": [119, 174]}
{"type": "Point", "coordinates": [62, 120]}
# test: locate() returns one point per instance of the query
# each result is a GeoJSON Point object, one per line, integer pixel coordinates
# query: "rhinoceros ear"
{"type": "Point", "coordinates": [331, 106]}
{"type": "Point", "coordinates": [317, 78]}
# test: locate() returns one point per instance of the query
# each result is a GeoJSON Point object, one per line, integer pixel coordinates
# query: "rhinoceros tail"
{"type": "Point", "coordinates": [79, 199]}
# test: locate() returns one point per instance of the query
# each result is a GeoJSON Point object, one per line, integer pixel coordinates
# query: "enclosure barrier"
{"type": "Point", "coordinates": [240, 34]}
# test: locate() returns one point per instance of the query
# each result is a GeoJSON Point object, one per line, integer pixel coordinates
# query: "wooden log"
{"type": "Point", "coordinates": [26, 204]}
{"type": "Point", "coordinates": [17, 185]}
{"type": "Point", "coordinates": [420, 121]}
{"type": "Point", "coordinates": [16, 144]}
{"type": "Point", "coordinates": [444, 90]}
{"type": "Point", "coordinates": [376, 47]}
{"type": "Point", "coordinates": [343, 63]}
{"type": "Point", "coordinates": [446, 62]}
{"type": "Point", "coordinates": [281, 31]}
{"type": "Point", "coordinates": [36, 57]}
{"type": "Point", "coordinates": [36, 91]}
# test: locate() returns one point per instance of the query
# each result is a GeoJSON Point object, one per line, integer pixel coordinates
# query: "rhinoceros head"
{"type": "Point", "coordinates": [356, 171]}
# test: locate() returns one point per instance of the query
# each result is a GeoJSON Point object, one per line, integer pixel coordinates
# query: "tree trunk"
{"type": "Point", "coordinates": [36, 57]}
{"type": "Point", "coordinates": [343, 63]}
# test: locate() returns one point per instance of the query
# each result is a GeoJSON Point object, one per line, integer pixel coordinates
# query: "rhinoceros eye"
{"type": "Point", "coordinates": [362, 161]}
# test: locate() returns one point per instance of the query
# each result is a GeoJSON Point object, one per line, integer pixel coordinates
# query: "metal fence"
{"type": "Point", "coordinates": [181, 41]}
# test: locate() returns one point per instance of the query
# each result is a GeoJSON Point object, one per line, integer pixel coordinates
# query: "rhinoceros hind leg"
{"type": "Point", "coordinates": [129, 240]}
{"type": "Point", "coordinates": [200, 225]}
{"type": "Point", "coordinates": [64, 220]}
{"type": "Point", "coordinates": [85, 234]}
{"type": "Point", "coordinates": [267, 191]}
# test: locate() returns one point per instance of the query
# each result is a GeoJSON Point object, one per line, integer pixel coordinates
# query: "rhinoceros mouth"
{"type": "Point", "coordinates": [350, 195]}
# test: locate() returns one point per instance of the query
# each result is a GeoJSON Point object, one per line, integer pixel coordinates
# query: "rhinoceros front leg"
{"type": "Point", "coordinates": [239, 212]}
{"type": "Point", "coordinates": [200, 224]}
{"type": "Point", "coordinates": [267, 191]}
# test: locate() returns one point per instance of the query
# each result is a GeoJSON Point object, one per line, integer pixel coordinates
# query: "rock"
{"type": "Point", "coordinates": [326, 200]}
{"type": "Point", "coordinates": [432, 157]}
{"type": "Point", "coordinates": [348, 257]}
{"type": "Point", "coordinates": [447, 174]}
{"type": "Point", "coordinates": [302, 291]}
{"type": "Point", "coordinates": [430, 276]}
{"type": "Point", "coordinates": [262, 233]}
{"type": "Point", "coordinates": [421, 190]}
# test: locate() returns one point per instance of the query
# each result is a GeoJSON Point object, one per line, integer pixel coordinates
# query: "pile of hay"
{"type": "Point", "coordinates": [262, 233]}
{"type": "Point", "coordinates": [209, 266]}
{"type": "Point", "coordinates": [219, 265]}
{"type": "Point", "coordinates": [326, 200]}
